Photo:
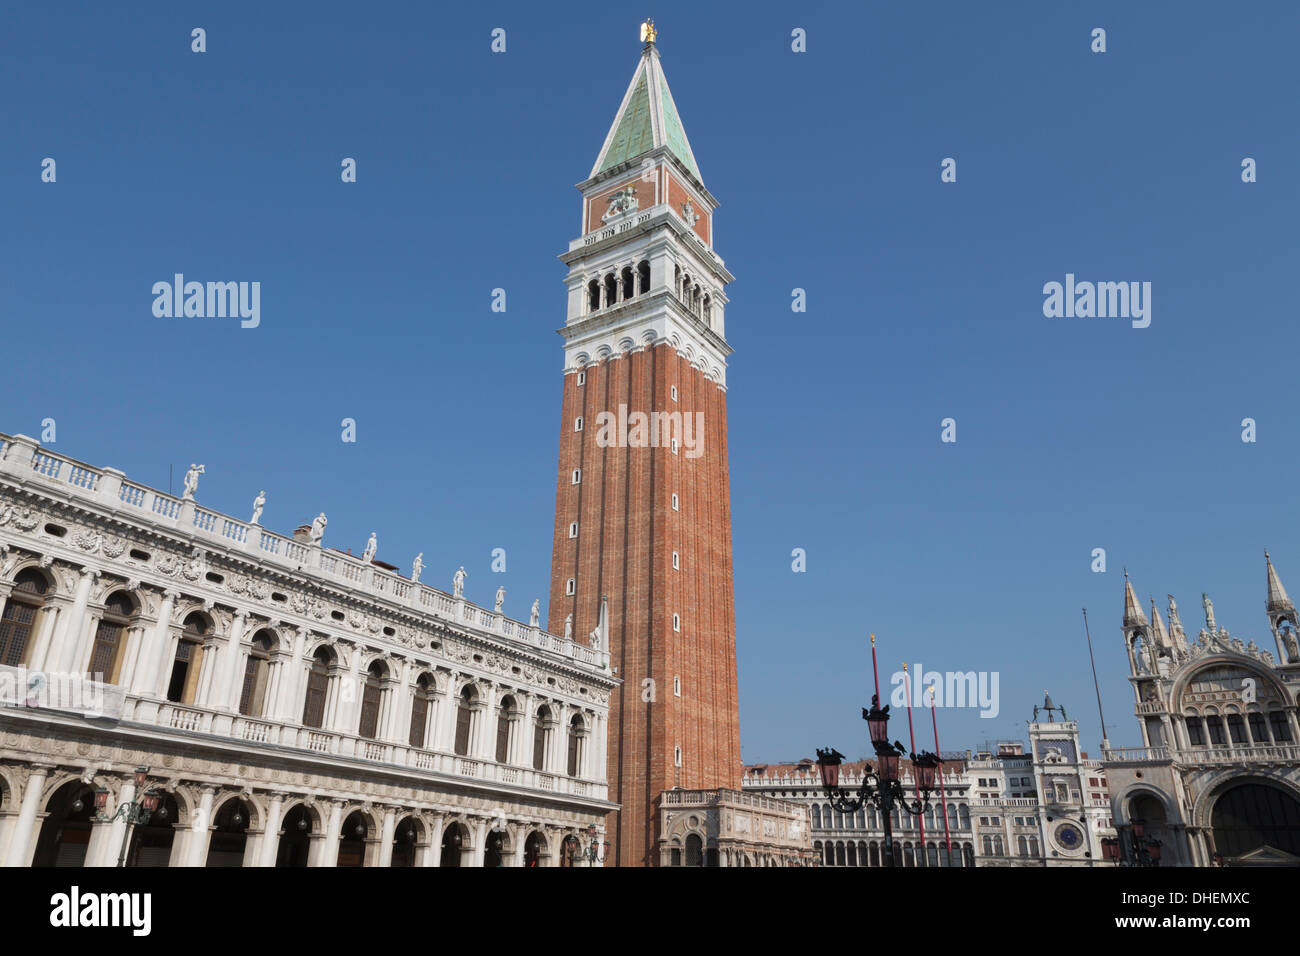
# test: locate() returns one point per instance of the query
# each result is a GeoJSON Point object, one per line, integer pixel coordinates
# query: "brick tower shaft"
{"type": "Point", "coordinates": [643, 512]}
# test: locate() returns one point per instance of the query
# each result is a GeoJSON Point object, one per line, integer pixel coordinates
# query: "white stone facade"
{"type": "Point", "coordinates": [1217, 778]}
{"type": "Point", "coordinates": [301, 683]}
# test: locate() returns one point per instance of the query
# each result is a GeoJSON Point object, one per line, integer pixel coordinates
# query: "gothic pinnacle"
{"type": "Point", "coordinates": [1133, 615]}
{"type": "Point", "coordinates": [1277, 596]}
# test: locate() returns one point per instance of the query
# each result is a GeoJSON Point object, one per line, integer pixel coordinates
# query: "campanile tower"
{"type": "Point", "coordinates": [642, 504]}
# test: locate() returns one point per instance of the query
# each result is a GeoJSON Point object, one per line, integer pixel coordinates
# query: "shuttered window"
{"type": "Point", "coordinates": [313, 709]}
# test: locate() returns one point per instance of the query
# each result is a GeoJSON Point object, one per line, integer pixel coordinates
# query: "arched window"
{"type": "Point", "coordinates": [629, 287]}
{"type": "Point", "coordinates": [577, 731]}
{"type": "Point", "coordinates": [707, 312]}
{"type": "Point", "coordinates": [257, 673]}
{"type": "Point", "coordinates": [19, 620]}
{"type": "Point", "coordinates": [424, 689]}
{"type": "Point", "coordinates": [932, 855]}
{"type": "Point", "coordinates": [998, 849]}
{"type": "Point", "coordinates": [852, 854]}
{"type": "Point", "coordinates": [1033, 846]}
{"type": "Point", "coordinates": [839, 854]}
{"type": "Point", "coordinates": [372, 699]}
{"type": "Point", "coordinates": [593, 295]}
{"type": "Point", "coordinates": [694, 850]}
{"type": "Point", "coordinates": [988, 845]}
{"type": "Point", "coordinates": [1214, 725]}
{"type": "Point", "coordinates": [541, 728]}
{"type": "Point", "coordinates": [611, 289]}
{"type": "Point", "coordinates": [965, 817]}
{"type": "Point", "coordinates": [1281, 729]}
{"type": "Point", "coordinates": [1258, 729]}
{"type": "Point", "coordinates": [968, 854]}
{"type": "Point", "coordinates": [816, 817]}
{"type": "Point", "coordinates": [874, 849]}
{"type": "Point", "coordinates": [185, 666]}
{"type": "Point", "coordinates": [1195, 735]}
{"type": "Point", "coordinates": [907, 855]}
{"type": "Point", "coordinates": [464, 718]}
{"type": "Point", "coordinates": [505, 718]}
{"type": "Point", "coordinates": [1250, 815]}
{"type": "Point", "coordinates": [1237, 729]}
{"type": "Point", "coordinates": [313, 708]}
{"type": "Point", "coordinates": [643, 276]}
{"type": "Point", "coordinates": [1022, 846]}
{"type": "Point", "coordinates": [110, 632]}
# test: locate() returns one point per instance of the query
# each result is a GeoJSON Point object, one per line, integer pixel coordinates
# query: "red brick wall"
{"type": "Point", "coordinates": [626, 535]}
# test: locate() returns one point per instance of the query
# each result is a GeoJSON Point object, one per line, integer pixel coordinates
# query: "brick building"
{"type": "Point", "coordinates": [643, 517]}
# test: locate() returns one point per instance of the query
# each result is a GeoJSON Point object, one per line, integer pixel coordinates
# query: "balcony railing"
{"type": "Point", "coordinates": [202, 721]}
{"type": "Point", "coordinates": [1215, 754]}
{"type": "Point", "coordinates": [24, 458]}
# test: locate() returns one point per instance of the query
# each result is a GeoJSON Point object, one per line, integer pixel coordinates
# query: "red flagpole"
{"type": "Point", "coordinates": [911, 738]}
{"type": "Point", "coordinates": [875, 671]}
{"type": "Point", "coordinates": [943, 796]}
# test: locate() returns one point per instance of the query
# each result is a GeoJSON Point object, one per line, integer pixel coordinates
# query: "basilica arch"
{"type": "Point", "coordinates": [1251, 820]}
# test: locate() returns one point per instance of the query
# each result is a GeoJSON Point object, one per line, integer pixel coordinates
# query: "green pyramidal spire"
{"type": "Point", "coordinates": [646, 120]}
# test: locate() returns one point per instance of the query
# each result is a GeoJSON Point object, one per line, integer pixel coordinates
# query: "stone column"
{"type": "Point", "coordinates": [49, 622]}
{"type": "Point", "coordinates": [521, 835]}
{"type": "Point", "coordinates": [231, 655]}
{"type": "Point", "coordinates": [400, 697]}
{"type": "Point", "coordinates": [154, 649]}
{"type": "Point", "coordinates": [386, 839]}
{"type": "Point", "coordinates": [125, 794]}
{"type": "Point", "coordinates": [22, 844]}
{"type": "Point", "coordinates": [483, 748]}
{"type": "Point", "coordinates": [101, 850]}
{"type": "Point", "coordinates": [289, 681]}
{"type": "Point", "coordinates": [271, 832]}
{"type": "Point", "coordinates": [480, 843]}
{"type": "Point", "coordinates": [329, 855]}
{"type": "Point", "coordinates": [196, 852]}
{"type": "Point", "coordinates": [434, 857]}
{"type": "Point", "coordinates": [346, 710]}
{"type": "Point", "coordinates": [68, 637]}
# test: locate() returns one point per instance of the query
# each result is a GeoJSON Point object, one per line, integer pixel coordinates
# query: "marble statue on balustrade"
{"type": "Point", "coordinates": [258, 504]}
{"type": "Point", "coordinates": [568, 628]}
{"type": "Point", "coordinates": [535, 614]}
{"type": "Point", "coordinates": [417, 567]}
{"type": "Point", "coordinates": [458, 583]}
{"type": "Point", "coordinates": [371, 547]}
{"type": "Point", "coordinates": [1209, 613]}
{"type": "Point", "coordinates": [192, 481]}
{"type": "Point", "coordinates": [501, 599]}
{"type": "Point", "coordinates": [318, 529]}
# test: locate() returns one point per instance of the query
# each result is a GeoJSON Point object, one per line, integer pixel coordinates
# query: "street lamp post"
{"type": "Point", "coordinates": [1142, 849]}
{"type": "Point", "coordinates": [139, 810]}
{"type": "Point", "coordinates": [594, 852]}
{"type": "Point", "coordinates": [880, 787]}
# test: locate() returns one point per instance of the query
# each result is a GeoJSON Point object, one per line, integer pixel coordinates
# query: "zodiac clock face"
{"type": "Point", "coordinates": [1069, 836]}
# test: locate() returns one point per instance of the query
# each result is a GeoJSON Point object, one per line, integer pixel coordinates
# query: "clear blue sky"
{"type": "Point", "coordinates": [924, 302]}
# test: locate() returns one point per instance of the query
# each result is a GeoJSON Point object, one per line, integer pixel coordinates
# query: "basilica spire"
{"type": "Point", "coordinates": [1133, 616]}
{"type": "Point", "coordinates": [1277, 596]}
{"type": "Point", "coordinates": [647, 118]}
{"type": "Point", "coordinates": [1158, 627]}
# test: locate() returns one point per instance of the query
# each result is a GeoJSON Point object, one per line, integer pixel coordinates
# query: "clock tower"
{"type": "Point", "coordinates": [642, 548]}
